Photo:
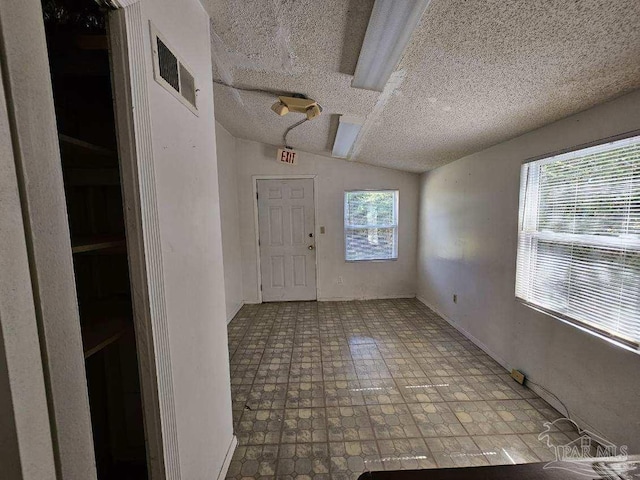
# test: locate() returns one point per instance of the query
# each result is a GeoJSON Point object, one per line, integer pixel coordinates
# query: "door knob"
{"type": "Point", "coordinates": [310, 247]}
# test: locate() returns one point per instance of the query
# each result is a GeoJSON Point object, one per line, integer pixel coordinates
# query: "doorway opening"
{"type": "Point", "coordinates": [79, 61]}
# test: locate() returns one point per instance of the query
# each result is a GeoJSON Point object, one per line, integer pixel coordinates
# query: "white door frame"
{"type": "Point", "coordinates": [35, 141]}
{"type": "Point", "coordinates": [256, 226]}
{"type": "Point", "coordinates": [127, 39]}
{"type": "Point", "coordinates": [25, 427]}
{"type": "Point", "coordinates": [30, 112]}
{"type": "Point", "coordinates": [37, 160]}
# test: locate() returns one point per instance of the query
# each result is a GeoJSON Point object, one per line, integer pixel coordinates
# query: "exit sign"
{"type": "Point", "coordinates": [287, 156]}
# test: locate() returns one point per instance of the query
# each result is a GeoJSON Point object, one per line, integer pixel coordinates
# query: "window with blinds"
{"type": "Point", "coordinates": [371, 225]}
{"type": "Point", "coordinates": [579, 238]}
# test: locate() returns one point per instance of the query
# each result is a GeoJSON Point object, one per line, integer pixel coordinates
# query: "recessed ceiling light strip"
{"type": "Point", "coordinates": [390, 27]}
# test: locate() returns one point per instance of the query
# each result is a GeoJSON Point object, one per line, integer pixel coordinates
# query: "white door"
{"type": "Point", "coordinates": [286, 219]}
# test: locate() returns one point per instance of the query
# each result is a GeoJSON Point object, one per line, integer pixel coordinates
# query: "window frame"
{"type": "Point", "coordinates": [589, 328]}
{"type": "Point", "coordinates": [346, 228]}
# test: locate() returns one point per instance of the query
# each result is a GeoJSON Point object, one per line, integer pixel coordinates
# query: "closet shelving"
{"type": "Point", "coordinates": [81, 78]}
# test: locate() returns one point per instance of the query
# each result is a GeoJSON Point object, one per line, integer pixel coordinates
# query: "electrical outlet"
{"type": "Point", "coordinates": [455, 298]}
{"type": "Point", "coordinates": [518, 376]}
{"type": "Point", "coordinates": [340, 281]}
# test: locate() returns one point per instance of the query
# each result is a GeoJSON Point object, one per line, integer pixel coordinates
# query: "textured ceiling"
{"type": "Point", "coordinates": [476, 72]}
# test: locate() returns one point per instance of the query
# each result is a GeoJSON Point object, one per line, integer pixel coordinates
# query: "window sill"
{"type": "Point", "coordinates": [583, 327]}
{"type": "Point", "coordinates": [376, 260]}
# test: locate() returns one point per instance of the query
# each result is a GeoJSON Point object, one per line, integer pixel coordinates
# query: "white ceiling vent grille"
{"type": "Point", "coordinates": [167, 65]}
{"type": "Point", "coordinates": [172, 73]}
{"type": "Point", "coordinates": [187, 85]}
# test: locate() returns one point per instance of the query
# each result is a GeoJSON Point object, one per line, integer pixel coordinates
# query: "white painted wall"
{"type": "Point", "coordinates": [468, 239]}
{"type": "Point", "coordinates": [361, 279]}
{"type": "Point", "coordinates": [184, 152]}
{"type": "Point", "coordinates": [229, 219]}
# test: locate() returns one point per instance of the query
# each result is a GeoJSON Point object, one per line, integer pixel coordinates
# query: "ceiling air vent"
{"type": "Point", "coordinates": [171, 72]}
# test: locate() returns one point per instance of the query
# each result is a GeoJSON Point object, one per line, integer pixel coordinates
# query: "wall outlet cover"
{"type": "Point", "coordinates": [518, 376]}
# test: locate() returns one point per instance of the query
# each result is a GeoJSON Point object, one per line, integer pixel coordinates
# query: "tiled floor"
{"type": "Point", "coordinates": [331, 389]}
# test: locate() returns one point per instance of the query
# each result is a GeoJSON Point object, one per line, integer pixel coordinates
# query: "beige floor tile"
{"type": "Point", "coordinates": [333, 389]}
{"type": "Point", "coordinates": [505, 449]}
{"type": "Point", "coordinates": [452, 452]}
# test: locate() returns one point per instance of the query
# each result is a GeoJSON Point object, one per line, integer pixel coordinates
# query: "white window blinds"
{"type": "Point", "coordinates": [371, 225]}
{"type": "Point", "coordinates": [579, 238]}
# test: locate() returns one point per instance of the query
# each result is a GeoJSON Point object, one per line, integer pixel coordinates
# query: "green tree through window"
{"type": "Point", "coordinates": [371, 225]}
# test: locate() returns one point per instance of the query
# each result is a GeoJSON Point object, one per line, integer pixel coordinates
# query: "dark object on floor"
{"type": "Point", "coordinates": [530, 471]}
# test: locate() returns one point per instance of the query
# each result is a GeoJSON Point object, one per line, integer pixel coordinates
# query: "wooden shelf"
{"type": "Point", "coordinates": [93, 177]}
{"type": "Point", "coordinates": [85, 64]}
{"type": "Point", "coordinates": [98, 336]}
{"type": "Point", "coordinates": [84, 146]}
{"type": "Point", "coordinates": [91, 42]}
{"type": "Point", "coordinates": [103, 323]}
{"type": "Point", "coordinates": [91, 244]}
{"type": "Point", "coordinates": [77, 153]}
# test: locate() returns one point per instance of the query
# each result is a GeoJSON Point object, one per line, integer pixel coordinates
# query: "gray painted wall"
{"type": "Point", "coordinates": [229, 218]}
{"type": "Point", "coordinates": [467, 246]}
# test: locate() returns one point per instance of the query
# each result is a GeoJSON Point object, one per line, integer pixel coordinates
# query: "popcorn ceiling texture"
{"type": "Point", "coordinates": [475, 73]}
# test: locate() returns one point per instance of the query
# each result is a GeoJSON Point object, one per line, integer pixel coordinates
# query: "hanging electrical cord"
{"type": "Point", "coordinates": [295, 125]}
{"type": "Point", "coordinates": [551, 394]}
{"type": "Point", "coordinates": [568, 414]}
{"type": "Point", "coordinates": [286, 132]}
{"type": "Point", "coordinates": [276, 94]}
{"type": "Point", "coordinates": [250, 89]}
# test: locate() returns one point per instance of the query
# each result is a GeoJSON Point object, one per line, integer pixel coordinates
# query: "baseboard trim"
{"type": "Point", "coordinates": [234, 312]}
{"type": "Point", "coordinates": [378, 297]}
{"type": "Point", "coordinates": [464, 332]}
{"type": "Point", "coordinates": [550, 399]}
{"type": "Point", "coordinates": [347, 299]}
{"type": "Point", "coordinates": [228, 457]}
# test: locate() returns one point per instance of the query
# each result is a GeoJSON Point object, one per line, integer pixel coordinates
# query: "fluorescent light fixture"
{"type": "Point", "coordinates": [348, 130]}
{"type": "Point", "coordinates": [390, 27]}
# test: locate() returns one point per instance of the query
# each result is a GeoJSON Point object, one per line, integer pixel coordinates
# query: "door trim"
{"type": "Point", "coordinates": [28, 117]}
{"type": "Point", "coordinates": [28, 447]}
{"type": "Point", "coordinates": [256, 226]}
{"type": "Point", "coordinates": [127, 30]}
